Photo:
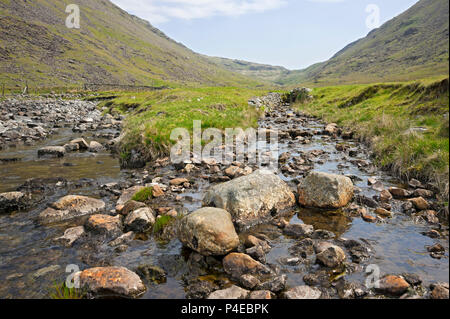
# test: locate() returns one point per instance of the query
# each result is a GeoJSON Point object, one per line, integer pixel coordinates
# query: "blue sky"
{"type": "Point", "coordinates": [290, 33]}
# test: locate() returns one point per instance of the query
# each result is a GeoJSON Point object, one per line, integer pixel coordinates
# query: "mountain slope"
{"type": "Point", "coordinates": [261, 72]}
{"type": "Point", "coordinates": [111, 46]}
{"type": "Point", "coordinates": [413, 45]}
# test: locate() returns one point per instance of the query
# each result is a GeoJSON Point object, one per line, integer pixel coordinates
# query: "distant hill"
{"type": "Point", "coordinates": [111, 46]}
{"type": "Point", "coordinates": [411, 46]}
{"type": "Point", "coordinates": [261, 72]}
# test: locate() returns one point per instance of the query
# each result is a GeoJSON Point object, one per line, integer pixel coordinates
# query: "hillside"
{"type": "Point", "coordinates": [111, 46]}
{"type": "Point", "coordinates": [261, 72]}
{"type": "Point", "coordinates": [413, 45]}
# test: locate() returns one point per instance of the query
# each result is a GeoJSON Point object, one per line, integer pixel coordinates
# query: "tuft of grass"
{"type": "Point", "coordinates": [61, 291]}
{"type": "Point", "coordinates": [162, 222]}
{"type": "Point", "coordinates": [405, 124]}
{"type": "Point", "coordinates": [143, 195]}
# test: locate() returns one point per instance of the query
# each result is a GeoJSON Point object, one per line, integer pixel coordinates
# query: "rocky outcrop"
{"type": "Point", "coordinates": [251, 199]}
{"type": "Point", "coordinates": [208, 231]}
{"type": "Point", "coordinates": [69, 207]}
{"type": "Point", "coordinates": [323, 190]}
{"type": "Point", "coordinates": [111, 282]}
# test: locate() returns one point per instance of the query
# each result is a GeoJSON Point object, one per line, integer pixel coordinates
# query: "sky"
{"type": "Point", "coordinates": [290, 33]}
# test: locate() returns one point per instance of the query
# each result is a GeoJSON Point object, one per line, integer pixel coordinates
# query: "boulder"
{"type": "Point", "coordinates": [439, 291]}
{"type": "Point", "coordinates": [420, 203]}
{"type": "Point", "coordinates": [329, 255]}
{"type": "Point", "coordinates": [324, 190]}
{"type": "Point", "coordinates": [261, 295]}
{"type": "Point", "coordinates": [392, 285]}
{"type": "Point", "coordinates": [69, 207]}
{"type": "Point", "coordinates": [140, 220]}
{"type": "Point", "coordinates": [208, 231]}
{"type": "Point", "coordinates": [251, 199]}
{"type": "Point", "coordinates": [71, 235]}
{"type": "Point", "coordinates": [302, 292]}
{"type": "Point", "coordinates": [13, 201]}
{"type": "Point", "coordinates": [53, 151]}
{"type": "Point", "coordinates": [95, 147]}
{"type": "Point", "coordinates": [111, 282]}
{"type": "Point", "coordinates": [237, 264]}
{"type": "Point", "coordinates": [299, 230]}
{"type": "Point", "coordinates": [234, 292]}
{"type": "Point", "coordinates": [104, 225]}
{"type": "Point", "coordinates": [399, 193]}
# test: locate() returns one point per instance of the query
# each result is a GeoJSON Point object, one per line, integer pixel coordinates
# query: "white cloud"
{"type": "Point", "coordinates": [157, 11]}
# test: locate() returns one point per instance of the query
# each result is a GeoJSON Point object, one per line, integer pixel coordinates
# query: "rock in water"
{"type": "Point", "coordinates": [104, 225]}
{"type": "Point", "coordinates": [54, 151]}
{"type": "Point", "coordinates": [329, 255]}
{"type": "Point", "coordinates": [209, 231]}
{"type": "Point", "coordinates": [392, 285]}
{"type": "Point", "coordinates": [12, 201]}
{"type": "Point", "coordinates": [69, 207]}
{"type": "Point", "coordinates": [236, 265]}
{"type": "Point", "coordinates": [140, 220]}
{"type": "Point", "coordinates": [95, 147]}
{"type": "Point", "coordinates": [302, 292]}
{"type": "Point", "coordinates": [324, 190]}
{"type": "Point", "coordinates": [111, 282]}
{"type": "Point", "coordinates": [251, 199]}
{"type": "Point", "coordinates": [234, 292]}
{"type": "Point", "coordinates": [70, 236]}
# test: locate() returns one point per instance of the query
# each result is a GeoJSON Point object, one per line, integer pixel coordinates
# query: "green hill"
{"type": "Point", "coordinates": [411, 46]}
{"type": "Point", "coordinates": [262, 72]}
{"type": "Point", "coordinates": [111, 46]}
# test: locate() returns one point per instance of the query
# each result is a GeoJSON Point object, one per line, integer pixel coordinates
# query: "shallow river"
{"type": "Point", "coordinates": [26, 246]}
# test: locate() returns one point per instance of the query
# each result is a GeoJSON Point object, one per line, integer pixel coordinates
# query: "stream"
{"type": "Point", "coordinates": [31, 262]}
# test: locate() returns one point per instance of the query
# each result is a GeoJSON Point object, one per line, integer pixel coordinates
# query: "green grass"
{"type": "Point", "coordinates": [386, 117]}
{"type": "Point", "coordinates": [153, 115]}
{"type": "Point", "coordinates": [143, 195]}
{"type": "Point", "coordinates": [61, 291]}
{"type": "Point", "coordinates": [162, 222]}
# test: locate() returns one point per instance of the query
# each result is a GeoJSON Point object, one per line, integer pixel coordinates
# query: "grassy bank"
{"type": "Point", "coordinates": [151, 116]}
{"type": "Point", "coordinates": [406, 124]}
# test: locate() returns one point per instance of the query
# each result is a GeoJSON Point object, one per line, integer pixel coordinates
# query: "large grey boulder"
{"type": "Point", "coordinates": [208, 231]}
{"type": "Point", "coordinates": [69, 207]}
{"type": "Point", "coordinates": [251, 199]}
{"type": "Point", "coordinates": [323, 190]}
